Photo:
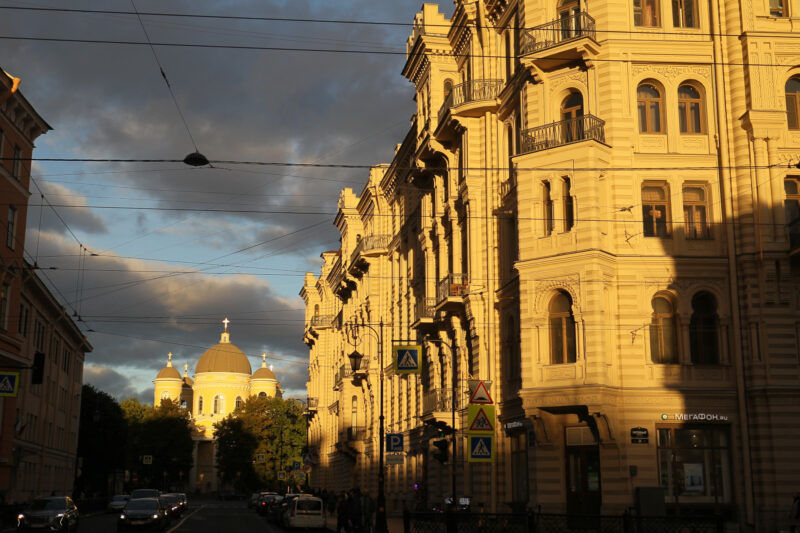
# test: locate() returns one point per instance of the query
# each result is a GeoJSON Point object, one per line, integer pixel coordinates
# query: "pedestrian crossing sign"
{"type": "Point", "coordinates": [9, 383]}
{"type": "Point", "coordinates": [407, 359]}
{"type": "Point", "coordinates": [480, 418]}
{"type": "Point", "coordinates": [481, 449]}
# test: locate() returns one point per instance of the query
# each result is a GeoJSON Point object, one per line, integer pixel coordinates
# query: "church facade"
{"type": "Point", "coordinates": [223, 379]}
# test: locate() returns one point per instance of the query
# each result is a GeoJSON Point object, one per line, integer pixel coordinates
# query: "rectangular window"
{"type": "Point", "coordinates": [11, 227]}
{"type": "Point", "coordinates": [65, 361]}
{"type": "Point", "coordinates": [17, 163]}
{"type": "Point", "coordinates": [547, 204]}
{"type": "Point", "coordinates": [4, 298]}
{"type": "Point", "coordinates": [645, 13]}
{"type": "Point", "coordinates": [695, 212]}
{"type": "Point", "coordinates": [777, 8]}
{"type": "Point", "coordinates": [684, 13]}
{"type": "Point", "coordinates": [569, 213]}
{"type": "Point", "coordinates": [655, 210]}
{"type": "Point", "coordinates": [694, 463]}
{"type": "Point", "coordinates": [22, 325]}
{"type": "Point", "coordinates": [792, 110]}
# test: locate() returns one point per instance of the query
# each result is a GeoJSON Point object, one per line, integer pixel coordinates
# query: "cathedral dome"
{"type": "Point", "coordinates": [168, 372]}
{"type": "Point", "coordinates": [224, 357]}
{"type": "Point", "coordinates": [264, 372]}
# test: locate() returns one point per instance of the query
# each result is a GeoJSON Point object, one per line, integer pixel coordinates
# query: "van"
{"type": "Point", "coordinates": [305, 512]}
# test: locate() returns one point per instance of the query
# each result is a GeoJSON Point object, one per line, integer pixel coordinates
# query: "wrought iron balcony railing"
{"type": "Point", "coordinates": [437, 400]}
{"type": "Point", "coordinates": [313, 403]}
{"type": "Point", "coordinates": [321, 321]}
{"type": "Point", "coordinates": [369, 244]}
{"type": "Point", "coordinates": [560, 133]}
{"type": "Point", "coordinates": [452, 286]}
{"type": "Point", "coordinates": [354, 433]}
{"type": "Point", "coordinates": [426, 308]}
{"type": "Point", "coordinates": [554, 33]}
{"type": "Point", "coordinates": [471, 91]}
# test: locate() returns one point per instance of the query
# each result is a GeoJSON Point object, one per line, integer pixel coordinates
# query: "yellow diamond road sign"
{"type": "Point", "coordinates": [407, 359]}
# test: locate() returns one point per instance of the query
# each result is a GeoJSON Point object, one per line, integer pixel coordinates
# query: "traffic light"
{"type": "Point", "coordinates": [37, 370]}
{"type": "Point", "coordinates": [442, 448]}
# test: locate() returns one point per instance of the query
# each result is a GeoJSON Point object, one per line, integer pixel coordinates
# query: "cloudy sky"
{"type": "Point", "coordinates": [153, 256]}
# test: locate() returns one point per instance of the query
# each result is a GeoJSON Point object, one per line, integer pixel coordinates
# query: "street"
{"type": "Point", "coordinates": [205, 516]}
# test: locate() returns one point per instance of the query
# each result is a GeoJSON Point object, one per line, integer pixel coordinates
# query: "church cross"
{"type": "Point", "coordinates": [226, 322]}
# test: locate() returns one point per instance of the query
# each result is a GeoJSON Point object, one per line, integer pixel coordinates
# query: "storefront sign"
{"type": "Point", "coordinates": [695, 417]}
{"type": "Point", "coordinates": [640, 435]}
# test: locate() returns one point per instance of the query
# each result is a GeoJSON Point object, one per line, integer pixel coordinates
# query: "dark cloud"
{"type": "Point", "coordinates": [109, 380]}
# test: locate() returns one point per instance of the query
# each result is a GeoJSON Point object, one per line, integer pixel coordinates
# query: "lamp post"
{"type": "Point", "coordinates": [355, 363]}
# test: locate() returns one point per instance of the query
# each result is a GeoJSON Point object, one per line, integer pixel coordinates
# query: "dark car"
{"type": "Point", "coordinates": [274, 510]}
{"type": "Point", "coordinates": [145, 493]}
{"type": "Point", "coordinates": [172, 505]}
{"type": "Point", "coordinates": [265, 500]}
{"type": "Point", "coordinates": [184, 500]}
{"type": "Point", "coordinates": [57, 513]}
{"type": "Point", "coordinates": [143, 514]}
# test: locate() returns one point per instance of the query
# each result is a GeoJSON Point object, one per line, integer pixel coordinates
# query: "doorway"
{"type": "Point", "coordinates": [582, 456]}
{"type": "Point", "coordinates": [571, 117]}
{"type": "Point", "coordinates": [569, 19]}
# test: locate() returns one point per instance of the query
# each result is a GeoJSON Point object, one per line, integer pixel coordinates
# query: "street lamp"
{"type": "Point", "coordinates": [355, 363]}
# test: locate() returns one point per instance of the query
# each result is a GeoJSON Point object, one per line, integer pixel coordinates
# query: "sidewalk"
{"type": "Point", "coordinates": [395, 523]}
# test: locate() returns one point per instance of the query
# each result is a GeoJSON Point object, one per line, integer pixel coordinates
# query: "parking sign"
{"type": "Point", "coordinates": [394, 442]}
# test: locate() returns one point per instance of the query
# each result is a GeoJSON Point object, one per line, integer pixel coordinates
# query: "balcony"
{"type": "Point", "coordinates": [321, 321]}
{"type": "Point", "coordinates": [369, 246]}
{"type": "Point", "coordinates": [471, 98]}
{"type": "Point", "coordinates": [583, 128]}
{"type": "Point", "coordinates": [452, 288]}
{"type": "Point", "coordinates": [560, 42]}
{"type": "Point", "coordinates": [437, 405]}
{"type": "Point", "coordinates": [351, 441]}
{"type": "Point", "coordinates": [312, 404]}
{"type": "Point", "coordinates": [425, 312]}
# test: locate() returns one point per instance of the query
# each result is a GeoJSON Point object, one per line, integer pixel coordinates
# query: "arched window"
{"type": "Point", "coordinates": [447, 88]}
{"type": "Point", "coordinates": [262, 394]}
{"type": "Point", "coordinates": [219, 404]}
{"type": "Point", "coordinates": [793, 102]}
{"type": "Point", "coordinates": [238, 402]}
{"type": "Point", "coordinates": [703, 330]}
{"type": "Point", "coordinates": [650, 105]}
{"type": "Point", "coordinates": [200, 405]}
{"type": "Point", "coordinates": [663, 332]}
{"type": "Point", "coordinates": [354, 412]}
{"type": "Point", "coordinates": [571, 113]}
{"type": "Point", "coordinates": [562, 330]}
{"type": "Point", "coordinates": [691, 110]}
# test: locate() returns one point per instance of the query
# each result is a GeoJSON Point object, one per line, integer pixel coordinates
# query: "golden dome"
{"type": "Point", "coordinates": [224, 357]}
{"type": "Point", "coordinates": [168, 372]}
{"type": "Point", "coordinates": [264, 372]}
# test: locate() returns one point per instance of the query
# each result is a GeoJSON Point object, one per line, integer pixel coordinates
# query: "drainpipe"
{"type": "Point", "coordinates": [723, 160]}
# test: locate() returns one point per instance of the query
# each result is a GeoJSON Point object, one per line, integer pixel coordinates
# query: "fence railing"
{"type": "Point", "coordinates": [453, 285]}
{"type": "Point", "coordinates": [321, 321]}
{"type": "Point", "coordinates": [369, 243]}
{"type": "Point", "coordinates": [437, 400]}
{"type": "Point", "coordinates": [536, 522]}
{"type": "Point", "coordinates": [569, 131]}
{"type": "Point", "coordinates": [426, 308]}
{"type": "Point", "coordinates": [556, 32]}
{"type": "Point", "coordinates": [313, 403]}
{"type": "Point", "coordinates": [471, 91]}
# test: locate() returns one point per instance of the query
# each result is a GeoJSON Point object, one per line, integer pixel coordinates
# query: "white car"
{"type": "Point", "coordinates": [305, 512]}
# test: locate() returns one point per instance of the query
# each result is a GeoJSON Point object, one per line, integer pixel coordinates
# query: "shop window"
{"type": "Point", "coordinates": [684, 13]}
{"type": "Point", "coordinates": [694, 464]}
{"type": "Point", "coordinates": [547, 204]}
{"type": "Point", "coordinates": [563, 348]}
{"type": "Point", "coordinates": [645, 13]}
{"type": "Point", "coordinates": [791, 186]}
{"type": "Point", "coordinates": [663, 332]}
{"type": "Point", "coordinates": [655, 210]}
{"type": "Point", "coordinates": [695, 212]}
{"type": "Point", "coordinates": [691, 110]}
{"type": "Point", "coordinates": [704, 330]}
{"type": "Point", "coordinates": [650, 105]}
{"type": "Point", "coordinates": [793, 102]}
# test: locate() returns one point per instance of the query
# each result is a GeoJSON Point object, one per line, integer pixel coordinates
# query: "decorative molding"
{"type": "Point", "coordinates": [671, 72]}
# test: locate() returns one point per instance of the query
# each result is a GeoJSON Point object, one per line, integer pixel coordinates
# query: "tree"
{"type": "Point", "coordinates": [101, 439]}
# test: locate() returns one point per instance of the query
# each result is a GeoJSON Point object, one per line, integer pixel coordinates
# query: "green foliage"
{"type": "Point", "coordinates": [272, 427]}
{"type": "Point", "coordinates": [102, 431]}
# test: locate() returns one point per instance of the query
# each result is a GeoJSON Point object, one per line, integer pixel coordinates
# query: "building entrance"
{"type": "Point", "coordinates": [582, 456]}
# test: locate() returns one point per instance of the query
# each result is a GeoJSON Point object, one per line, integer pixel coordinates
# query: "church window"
{"type": "Point", "coordinates": [200, 406]}
{"type": "Point", "coordinates": [238, 401]}
{"type": "Point", "coordinates": [262, 394]}
{"type": "Point", "coordinates": [165, 395]}
{"type": "Point", "coordinates": [219, 402]}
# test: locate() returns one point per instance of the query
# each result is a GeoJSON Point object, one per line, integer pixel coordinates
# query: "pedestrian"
{"type": "Point", "coordinates": [342, 512]}
{"type": "Point", "coordinates": [355, 512]}
{"type": "Point", "coordinates": [368, 509]}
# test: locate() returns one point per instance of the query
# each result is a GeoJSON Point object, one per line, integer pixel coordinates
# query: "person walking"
{"type": "Point", "coordinates": [368, 509]}
{"type": "Point", "coordinates": [342, 514]}
{"type": "Point", "coordinates": [355, 512]}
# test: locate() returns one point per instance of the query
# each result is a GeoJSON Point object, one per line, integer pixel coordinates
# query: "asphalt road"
{"type": "Point", "coordinates": [211, 516]}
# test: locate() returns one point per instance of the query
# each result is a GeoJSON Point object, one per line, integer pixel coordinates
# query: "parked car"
{"type": "Point", "coordinates": [56, 513]}
{"type": "Point", "coordinates": [172, 505]}
{"type": "Point", "coordinates": [275, 510]}
{"type": "Point", "coordinates": [305, 512]}
{"type": "Point", "coordinates": [184, 500]}
{"type": "Point", "coordinates": [285, 503]}
{"type": "Point", "coordinates": [143, 514]}
{"type": "Point", "coordinates": [145, 493]}
{"type": "Point", "coordinates": [118, 502]}
{"type": "Point", "coordinates": [265, 500]}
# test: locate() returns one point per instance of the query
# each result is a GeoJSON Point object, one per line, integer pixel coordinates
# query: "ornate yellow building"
{"type": "Point", "coordinates": [596, 209]}
{"type": "Point", "coordinates": [222, 381]}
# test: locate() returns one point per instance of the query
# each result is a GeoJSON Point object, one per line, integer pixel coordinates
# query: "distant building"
{"type": "Point", "coordinates": [596, 208]}
{"type": "Point", "coordinates": [222, 381]}
{"type": "Point", "coordinates": [38, 425]}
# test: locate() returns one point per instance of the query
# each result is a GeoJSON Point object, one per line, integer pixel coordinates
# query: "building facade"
{"type": "Point", "coordinates": [38, 421]}
{"type": "Point", "coordinates": [222, 381]}
{"type": "Point", "coordinates": [595, 209]}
